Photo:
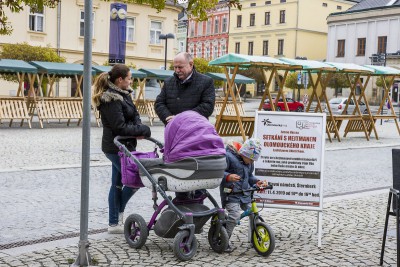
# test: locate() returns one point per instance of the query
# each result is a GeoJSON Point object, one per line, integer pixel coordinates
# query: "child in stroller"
{"type": "Point", "coordinates": [194, 158]}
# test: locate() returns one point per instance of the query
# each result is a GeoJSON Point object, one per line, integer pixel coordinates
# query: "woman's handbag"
{"type": "Point", "coordinates": [129, 169]}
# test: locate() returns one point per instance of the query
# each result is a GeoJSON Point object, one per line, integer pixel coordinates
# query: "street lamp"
{"type": "Point", "coordinates": [166, 37]}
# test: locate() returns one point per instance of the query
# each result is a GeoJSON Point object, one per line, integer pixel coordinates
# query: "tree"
{"type": "Point", "coordinates": [379, 81]}
{"type": "Point", "coordinates": [202, 66]}
{"type": "Point", "coordinates": [337, 81]}
{"type": "Point", "coordinates": [195, 8]}
{"type": "Point", "coordinates": [291, 83]}
{"type": "Point", "coordinates": [28, 53]}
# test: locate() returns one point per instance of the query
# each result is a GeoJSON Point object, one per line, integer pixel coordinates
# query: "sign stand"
{"type": "Point", "coordinates": [292, 161]}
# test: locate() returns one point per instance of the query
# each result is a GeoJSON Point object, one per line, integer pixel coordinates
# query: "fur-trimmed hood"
{"type": "Point", "coordinates": [114, 93]}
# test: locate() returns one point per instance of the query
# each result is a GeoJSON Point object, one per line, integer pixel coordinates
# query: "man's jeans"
{"type": "Point", "coordinates": [119, 195]}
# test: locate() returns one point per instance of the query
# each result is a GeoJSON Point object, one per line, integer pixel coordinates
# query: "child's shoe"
{"type": "Point", "coordinates": [230, 248]}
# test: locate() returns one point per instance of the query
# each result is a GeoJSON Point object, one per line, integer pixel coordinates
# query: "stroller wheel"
{"type": "Point", "coordinates": [218, 240]}
{"type": "Point", "coordinates": [182, 250]}
{"type": "Point", "coordinates": [135, 231]}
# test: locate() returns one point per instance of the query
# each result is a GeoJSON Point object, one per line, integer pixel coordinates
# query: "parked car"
{"type": "Point", "coordinates": [292, 105]}
{"type": "Point", "coordinates": [338, 104]}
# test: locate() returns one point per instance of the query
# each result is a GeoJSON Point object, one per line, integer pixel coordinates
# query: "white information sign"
{"type": "Point", "coordinates": [292, 158]}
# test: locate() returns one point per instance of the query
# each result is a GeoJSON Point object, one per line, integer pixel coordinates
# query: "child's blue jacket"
{"type": "Point", "coordinates": [235, 165]}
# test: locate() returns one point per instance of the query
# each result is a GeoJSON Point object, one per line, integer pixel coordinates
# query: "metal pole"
{"type": "Point", "coordinates": [165, 56]}
{"type": "Point", "coordinates": [83, 258]}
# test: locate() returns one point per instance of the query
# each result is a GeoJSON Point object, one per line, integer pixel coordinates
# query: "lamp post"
{"type": "Point", "coordinates": [166, 37]}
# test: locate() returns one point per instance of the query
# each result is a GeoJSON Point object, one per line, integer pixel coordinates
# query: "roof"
{"type": "Point", "coordinates": [135, 73]}
{"type": "Point", "coordinates": [366, 5]}
{"type": "Point", "coordinates": [222, 77]}
{"type": "Point", "coordinates": [380, 70]}
{"type": "Point", "coordinates": [14, 65]}
{"type": "Point", "coordinates": [60, 69]}
{"type": "Point", "coordinates": [157, 73]}
{"type": "Point", "coordinates": [232, 59]}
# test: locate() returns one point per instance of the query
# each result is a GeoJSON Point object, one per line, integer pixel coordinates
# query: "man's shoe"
{"type": "Point", "coordinates": [115, 229]}
{"type": "Point", "coordinates": [230, 249]}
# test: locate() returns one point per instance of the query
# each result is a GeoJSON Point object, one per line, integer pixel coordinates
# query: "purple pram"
{"type": "Point", "coordinates": [194, 158]}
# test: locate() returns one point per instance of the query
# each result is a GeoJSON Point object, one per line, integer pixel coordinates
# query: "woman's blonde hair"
{"type": "Point", "coordinates": [101, 83]}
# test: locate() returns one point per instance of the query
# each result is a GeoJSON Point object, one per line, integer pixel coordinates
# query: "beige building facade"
{"type": "Point", "coordinates": [283, 28]}
{"type": "Point", "coordinates": [62, 29]}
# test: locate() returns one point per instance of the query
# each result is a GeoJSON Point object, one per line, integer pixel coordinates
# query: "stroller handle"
{"type": "Point", "coordinates": [155, 141]}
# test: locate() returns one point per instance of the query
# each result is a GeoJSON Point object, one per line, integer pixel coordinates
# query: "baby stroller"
{"type": "Point", "coordinates": [200, 164]}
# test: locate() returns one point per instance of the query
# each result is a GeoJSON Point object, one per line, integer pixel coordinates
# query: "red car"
{"type": "Point", "coordinates": [292, 105]}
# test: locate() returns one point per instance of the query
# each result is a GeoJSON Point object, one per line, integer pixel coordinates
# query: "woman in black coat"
{"type": "Point", "coordinates": [119, 116]}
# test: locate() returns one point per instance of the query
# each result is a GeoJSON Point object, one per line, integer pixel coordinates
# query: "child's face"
{"type": "Point", "coordinates": [247, 161]}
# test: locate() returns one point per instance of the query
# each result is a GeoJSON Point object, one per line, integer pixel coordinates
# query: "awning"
{"type": "Point", "coordinates": [60, 69]}
{"type": "Point", "coordinates": [222, 77]}
{"type": "Point", "coordinates": [381, 70]}
{"type": "Point", "coordinates": [350, 68]}
{"type": "Point", "coordinates": [157, 73]}
{"type": "Point", "coordinates": [135, 73]}
{"type": "Point", "coordinates": [309, 64]}
{"type": "Point", "coordinates": [16, 66]}
{"type": "Point", "coordinates": [246, 61]}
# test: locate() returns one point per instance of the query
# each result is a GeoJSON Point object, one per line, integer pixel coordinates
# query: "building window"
{"type": "Point", "coordinates": [208, 25]}
{"type": "Point", "coordinates": [382, 42]}
{"type": "Point", "coordinates": [339, 7]}
{"type": "Point", "coordinates": [340, 48]}
{"type": "Point", "coordinates": [253, 4]}
{"type": "Point", "coordinates": [191, 28]}
{"type": "Point", "coordinates": [199, 28]}
{"type": "Point", "coordinates": [282, 16]}
{"type": "Point", "coordinates": [265, 48]}
{"type": "Point", "coordinates": [224, 24]}
{"type": "Point", "coordinates": [207, 56]}
{"type": "Point", "coordinates": [361, 46]}
{"type": "Point", "coordinates": [82, 24]}
{"type": "Point", "coordinates": [239, 21]}
{"type": "Point", "coordinates": [198, 52]}
{"type": "Point", "coordinates": [280, 47]}
{"type": "Point", "coordinates": [192, 51]}
{"type": "Point", "coordinates": [215, 51]}
{"type": "Point", "coordinates": [130, 29]}
{"type": "Point", "coordinates": [155, 31]}
{"type": "Point", "coordinates": [223, 50]}
{"type": "Point", "coordinates": [36, 21]}
{"type": "Point", "coordinates": [252, 19]}
{"type": "Point", "coordinates": [283, 1]}
{"type": "Point", "coordinates": [267, 18]}
{"type": "Point", "coordinates": [324, 4]}
{"type": "Point", "coordinates": [181, 46]}
{"type": "Point", "coordinates": [237, 48]}
{"type": "Point", "coordinates": [267, 2]}
{"type": "Point", "coordinates": [250, 48]}
{"type": "Point", "coordinates": [216, 26]}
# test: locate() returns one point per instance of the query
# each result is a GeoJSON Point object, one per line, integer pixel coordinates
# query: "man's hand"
{"type": "Point", "coordinates": [233, 178]}
{"type": "Point", "coordinates": [170, 118]}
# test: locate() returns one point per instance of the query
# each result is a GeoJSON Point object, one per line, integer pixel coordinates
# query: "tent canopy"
{"type": "Point", "coordinates": [238, 78]}
{"type": "Point", "coordinates": [380, 70]}
{"type": "Point", "coordinates": [60, 69]}
{"type": "Point", "coordinates": [309, 64]}
{"type": "Point", "coordinates": [350, 68]}
{"type": "Point", "coordinates": [15, 66]}
{"type": "Point", "coordinates": [231, 60]}
{"type": "Point", "coordinates": [157, 73]}
{"type": "Point", "coordinates": [135, 73]}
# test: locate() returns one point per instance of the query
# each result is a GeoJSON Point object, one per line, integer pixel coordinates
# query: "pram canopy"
{"type": "Point", "coordinates": [190, 134]}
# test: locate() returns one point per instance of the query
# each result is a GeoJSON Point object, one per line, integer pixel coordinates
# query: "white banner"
{"type": "Point", "coordinates": [292, 158]}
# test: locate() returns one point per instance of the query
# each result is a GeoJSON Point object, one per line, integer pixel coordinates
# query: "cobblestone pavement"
{"type": "Point", "coordinates": [40, 195]}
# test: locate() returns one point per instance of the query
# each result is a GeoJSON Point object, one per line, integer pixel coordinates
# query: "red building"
{"type": "Point", "coordinates": [209, 39]}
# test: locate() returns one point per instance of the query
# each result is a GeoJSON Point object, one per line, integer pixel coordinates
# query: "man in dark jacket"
{"type": "Point", "coordinates": [186, 90]}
